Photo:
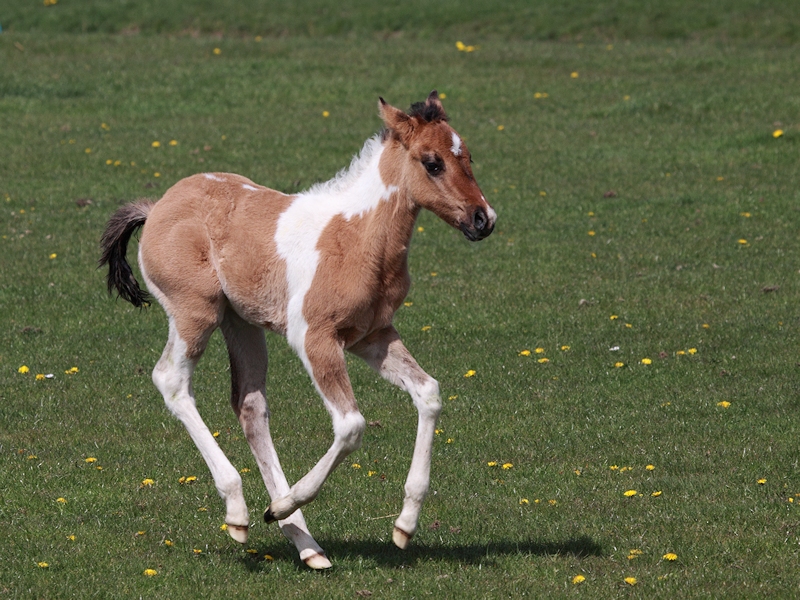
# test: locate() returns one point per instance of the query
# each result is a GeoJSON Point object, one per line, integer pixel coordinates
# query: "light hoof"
{"type": "Point", "coordinates": [400, 538]}
{"type": "Point", "coordinates": [318, 562]}
{"type": "Point", "coordinates": [239, 532]}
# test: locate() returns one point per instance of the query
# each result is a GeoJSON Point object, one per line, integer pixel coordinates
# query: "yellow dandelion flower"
{"type": "Point", "coordinates": [631, 580]}
{"type": "Point", "coordinates": [104, 126]}
{"type": "Point", "coordinates": [197, 550]}
{"type": "Point", "coordinates": [613, 317]}
{"type": "Point", "coordinates": [777, 133]}
{"type": "Point", "coordinates": [408, 304]}
{"type": "Point", "coordinates": [635, 552]}
{"type": "Point", "coordinates": [761, 481]}
{"type": "Point", "coordinates": [743, 241]}
{"type": "Point", "coordinates": [140, 533]}
{"type": "Point", "coordinates": [613, 467]}
{"type": "Point", "coordinates": [539, 351]}
{"type": "Point", "coordinates": [650, 467]}
{"type": "Point", "coordinates": [173, 142]}
{"type": "Point", "coordinates": [564, 348]}
{"type": "Point", "coordinates": [523, 501]}
{"type": "Point", "coordinates": [724, 404]}
{"type": "Point", "coordinates": [501, 127]}
{"type": "Point", "coordinates": [449, 441]}
{"type": "Point", "coordinates": [325, 114]}
{"type": "Point", "coordinates": [656, 494]}
{"type": "Point", "coordinates": [244, 470]}
{"type": "Point", "coordinates": [268, 557]}
{"type": "Point", "coordinates": [426, 328]}
{"type": "Point", "coordinates": [574, 75]}
{"type": "Point", "coordinates": [492, 463]}
{"type": "Point", "coordinates": [156, 174]}
{"type": "Point", "coordinates": [525, 353]}
{"type": "Point", "coordinates": [90, 459]}
{"type": "Point", "coordinates": [156, 144]}
{"type": "Point", "coordinates": [252, 551]}
{"type": "Point", "coordinates": [470, 373]}
{"type": "Point", "coordinates": [39, 376]}
{"type": "Point", "coordinates": [147, 482]}
{"type": "Point", "coordinates": [88, 151]}
{"type": "Point", "coordinates": [680, 353]}
{"type": "Point", "coordinates": [32, 457]}
{"type": "Point", "coordinates": [791, 500]}
{"type": "Point", "coordinates": [630, 493]}
{"type": "Point", "coordinates": [746, 215]}
{"type": "Point", "coordinates": [434, 273]}
{"type": "Point", "coordinates": [438, 431]}
{"type": "Point", "coordinates": [71, 538]}
{"type": "Point", "coordinates": [355, 466]}
{"type": "Point", "coordinates": [507, 466]}
{"type": "Point", "coordinates": [670, 556]}
{"type": "Point", "coordinates": [543, 360]}
{"type": "Point", "coordinates": [371, 473]}
{"type": "Point", "coordinates": [442, 96]}
{"type": "Point", "coordinates": [460, 46]}
{"type": "Point", "coordinates": [590, 233]}
{"type": "Point", "coordinates": [223, 527]}
{"type": "Point", "coordinates": [706, 326]}
{"type": "Point", "coordinates": [646, 361]}
{"type": "Point", "coordinates": [454, 397]}
{"type": "Point", "coordinates": [61, 500]}
{"type": "Point", "coordinates": [692, 350]}
{"type": "Point", "coordinates": [619, 365]}
{"type": "Point", "coordinates": [168, 543]}
{"type": "Point", "coordinates": [215, 434]}
{"type": "Point", "coordinates": [578, 579]}
{"type": "Point", "coordinates": [542, 193]}
{"type": "Point", "coordinates": [420, 229]}
{"type": "Point", "coordinates": [552, 502]}
{"type": "Point", "coordinates": [42, 565]}
{"type": "Point", "coordinates": [217, 51]}
{"type": "Point", "coordinates": [23, 369]}
{"type": "Point", "coordinates": [578, 472]}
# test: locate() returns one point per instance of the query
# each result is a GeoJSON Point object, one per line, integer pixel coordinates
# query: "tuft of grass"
{"type": "Point", "coordinates": [663, 149]}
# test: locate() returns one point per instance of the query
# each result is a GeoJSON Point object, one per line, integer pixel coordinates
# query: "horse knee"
{"type": "Point", "coordinates": [427, 399]}
{"type": "Point", "coordinates": [348, 430]}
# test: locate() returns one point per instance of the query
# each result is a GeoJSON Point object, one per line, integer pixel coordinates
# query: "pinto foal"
{"type": "Point", "coordinates": [327, 269]}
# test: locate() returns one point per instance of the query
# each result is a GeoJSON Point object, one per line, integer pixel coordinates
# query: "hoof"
{"type": "Point", "coordinates": [318, 562]}
{"type": "Point", "coordinates": [400, 538]}
{"type": "Point", "coordinates": [239, 532]}
{"type": "Point", "coordinates": [268, 516]}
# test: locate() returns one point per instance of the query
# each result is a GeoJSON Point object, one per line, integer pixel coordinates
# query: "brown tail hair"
{"type": "Point", "coordinates": [114, 244]}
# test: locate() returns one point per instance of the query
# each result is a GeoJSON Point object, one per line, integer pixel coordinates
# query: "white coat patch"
{"type": "Point", "coordinates": [212, 177]}
{"type": "Point", "coordinates": [456, 148]}
{"type": "Point", "coordinates": [249, 187]}
{"type": "Point", "coordinates": [353, 192]}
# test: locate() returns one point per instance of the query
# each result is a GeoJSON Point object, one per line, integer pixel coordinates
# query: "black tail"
{"type": "Point", "coordinates": [114, 244]}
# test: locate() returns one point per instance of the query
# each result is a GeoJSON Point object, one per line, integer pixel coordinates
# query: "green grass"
{"type": "Point", "coordinates": [680, 129]}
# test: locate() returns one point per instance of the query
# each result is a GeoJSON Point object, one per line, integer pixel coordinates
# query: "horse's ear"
{"type": "Point", "coordinates": [396, 121]}
{"type": "Point", "coordinates": [435, 105]}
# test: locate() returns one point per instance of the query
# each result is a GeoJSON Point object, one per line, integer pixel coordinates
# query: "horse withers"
{"type": "Point", "coordinates": [327, 269]}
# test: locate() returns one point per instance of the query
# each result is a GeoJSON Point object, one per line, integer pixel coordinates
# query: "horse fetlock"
{"type": "Point", "coordinates": [280, 509]}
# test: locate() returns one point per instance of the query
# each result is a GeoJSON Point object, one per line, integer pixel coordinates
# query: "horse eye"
{"type": "Point", "coordinates": [433, 167]}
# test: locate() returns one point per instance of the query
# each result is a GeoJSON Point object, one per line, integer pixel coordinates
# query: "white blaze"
{"type": "Point", "coordinates": [456, 148]}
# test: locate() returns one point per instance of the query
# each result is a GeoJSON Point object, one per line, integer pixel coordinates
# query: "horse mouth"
{"type": "Point", "coordinates": [473, 234]}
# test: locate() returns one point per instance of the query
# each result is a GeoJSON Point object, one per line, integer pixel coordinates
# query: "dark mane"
{"type": "Point", "coordinates": [430, 112]}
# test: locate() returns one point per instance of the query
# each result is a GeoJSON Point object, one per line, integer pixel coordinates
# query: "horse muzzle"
{"type": "Point", "coordinates": [480, 225]}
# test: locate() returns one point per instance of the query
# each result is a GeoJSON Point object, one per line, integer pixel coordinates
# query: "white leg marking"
{"type": "Point", "coordinates": [387, 355]}
{"type": "Point", "coordinates": [173, 378]}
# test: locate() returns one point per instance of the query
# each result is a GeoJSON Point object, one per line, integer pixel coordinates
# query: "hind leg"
{"type": "Point", "coordinates": [173, 377]}
{"type": "Point", "coordinates": [248, 354]}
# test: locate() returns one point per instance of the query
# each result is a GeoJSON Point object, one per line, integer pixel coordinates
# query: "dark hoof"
{"type": "Point", "coordinates": [269, 517]}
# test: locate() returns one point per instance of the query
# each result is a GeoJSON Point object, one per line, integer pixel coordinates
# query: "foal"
{"type": "Point", "coordinates": [327, 269]}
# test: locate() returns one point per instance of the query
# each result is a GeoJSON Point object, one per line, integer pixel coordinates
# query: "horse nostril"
{"type": "Point", "coordinates": [479, 219]}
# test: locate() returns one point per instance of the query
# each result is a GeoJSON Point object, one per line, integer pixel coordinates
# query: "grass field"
{"type": "Point", "coordinates": [648, 213]}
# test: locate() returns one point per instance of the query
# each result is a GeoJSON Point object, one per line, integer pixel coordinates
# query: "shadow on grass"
{"type": "Point", "coordinates": [386, 555]}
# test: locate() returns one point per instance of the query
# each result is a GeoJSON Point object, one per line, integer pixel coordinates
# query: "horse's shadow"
{"type": "Point", "coordinates": [386, 555]}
